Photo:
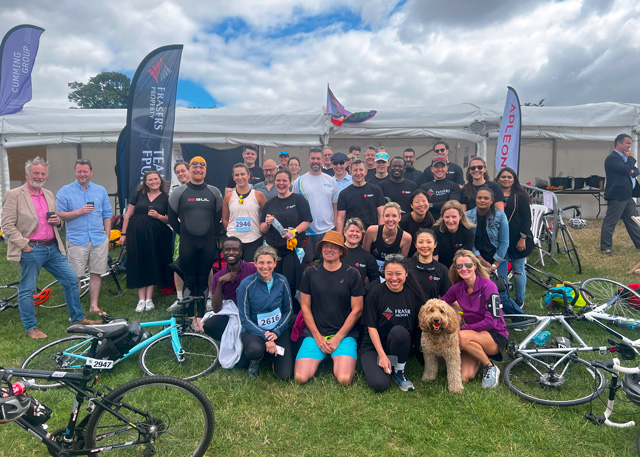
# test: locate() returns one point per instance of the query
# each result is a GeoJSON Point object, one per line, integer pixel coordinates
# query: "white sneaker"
{"type": "Point", "coordinates": [209, 306]}
{"type": "Point", "coordinates": [141, 306]}
{"type": "Point", "coordinates": [175, 306]}
{"type": "Point", "coordinates": [149, 306]}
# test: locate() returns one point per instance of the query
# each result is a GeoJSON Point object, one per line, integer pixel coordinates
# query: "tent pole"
{"type": "Point", "coordinates": [554, 157]}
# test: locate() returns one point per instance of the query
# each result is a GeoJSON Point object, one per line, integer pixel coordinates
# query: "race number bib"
{"type": "Point", "coordinates": [268, 321]}
{"type": "Point", "coordinates": [243, 224]}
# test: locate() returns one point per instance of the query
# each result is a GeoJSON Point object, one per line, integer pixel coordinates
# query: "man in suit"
{"type": "Point", "coordinates": [30, 225]}
{"type": "Point", "coordinates": [621, 171]}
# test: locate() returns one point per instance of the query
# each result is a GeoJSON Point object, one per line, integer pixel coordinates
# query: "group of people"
{"type": "Point", "coordinates": [361, 245]}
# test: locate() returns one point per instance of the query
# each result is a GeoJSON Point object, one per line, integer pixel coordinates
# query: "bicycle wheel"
{"type": "Point", "coordinates": [57, 293]}
{"type": "Point", "coordinates": [554, 379]}
{"type": "Point", "coordinates": [199, 358]}
{"type": "Point", "coordinates": [168, 415]}
{"type": "Point", "coordinates": [570, 248]}
{"type": "Point", "coordinates": [541, 278]}
{"type": "Point", "coordinates": [622, 300]}
{"type": "Point", "coordinates": [50, 357]}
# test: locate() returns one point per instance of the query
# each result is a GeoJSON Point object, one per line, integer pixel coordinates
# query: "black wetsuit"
{"type": "Point", "coordinates": [194, 213]}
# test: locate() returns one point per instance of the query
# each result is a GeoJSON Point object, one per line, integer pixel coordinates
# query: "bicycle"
{"type": "Point", "coordinates": [567, 246]}
{"type": "Point", "coordinates": [114, 268]}
{"type": "Point", "coordinates": [10, 295]}
{"type": "Point", "coordinates": [161, 415]}
{"type": "Point", "coordinates": [174, 350]}
{"type": "Point", "coordinates": [556, 375]}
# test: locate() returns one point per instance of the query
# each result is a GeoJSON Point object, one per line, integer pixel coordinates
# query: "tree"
{"type": "Point", "coordinates": [106, 90]}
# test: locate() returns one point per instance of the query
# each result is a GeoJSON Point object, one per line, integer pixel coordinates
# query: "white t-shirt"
{"type": "Point", "coordinates": [321, 191]}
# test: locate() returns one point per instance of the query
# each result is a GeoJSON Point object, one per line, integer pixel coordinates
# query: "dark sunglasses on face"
{"type": "Point", "coordinates": [476, 167]}
{"type": "Point", "coordinates": [440, 150]}
{"type": "Point", "coordinates": [468, 265]}
{"type": "Point", "coordinates": [338, 163]}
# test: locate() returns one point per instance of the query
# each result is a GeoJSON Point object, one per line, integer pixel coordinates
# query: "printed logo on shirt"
{"type": "Point", "coordinates": [327, 185]}
{"type": "Point", "coordinates": [430, 193]}
{"type": "Point", "coordinates": [457, 246]}
{"type": "Point", "coordinates": [405, 192]}
{"type": "Point", "coordinates": [361, 265]}
{"type": "Point", "coordinates": [367, 196]}
{"type": "Point", "coordinates": [198, 199]}
{"type": "Point", "coordinates": [290, 207]}
{"type": "Point", "coordinates": [388, 313]}
{"type": "Point", "coordinates": [403, 312]}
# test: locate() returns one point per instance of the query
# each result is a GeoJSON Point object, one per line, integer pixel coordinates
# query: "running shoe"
{"type": "Point", "coordinates": [141, 306]}
{"type": "Point", "coordinates": [175, 306]}
{"type": "Point", "coordinates": [149, 305]}
{"type": "Point", "coordinates": [209, 306]}
{"type": "Point", "coordinates": [490, 376]}
{"type": "Point", "coordinates": [254, 369]}
{"type": "Point", "coordinates": [404, 384]}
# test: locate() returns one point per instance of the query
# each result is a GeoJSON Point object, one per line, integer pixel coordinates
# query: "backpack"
{"type": "Point", "coordinates": [557, 295]}
{"type": "Point", "coordinates": [116, 222]}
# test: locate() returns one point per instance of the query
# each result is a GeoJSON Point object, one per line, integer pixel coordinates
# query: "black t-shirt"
{"type": "Point", "coordinates": [440, 192]}
{"type": "Point", "coordinates": [449, 243]}
{"type": "Point", "coordinates": [331, 293]}
{"type": "Point", "coordinates": [364, 262]}
{"type": "Point", "coordinates": [371, 172]}
{"type": "Point", "coordinates": [471, 201]}
{"type": "Point", "coordinates": [375, 180]}
{"type": "Point", "coordinates": [362, 202]}
{"type": "Point", "coordinates": [482, 242]}
{"type": "Point", "coordinates": [399, 192]}
{"type": "Point", "coordinates": [328, 171]}
{"type": "Point", "coordinates": [384, 309]}
{"type": "Point", "coordinates": [409, 225]}
{"type": "Point", "coordinates": [455, 174]}
{"type": "Point", "coordinates": [257, 175]}
{"type": "Point", "coordinates": [290, 212]}
{"type": "Point", "coordinates": [412, 174]}
{"type": "Point", "coordinates": [433, 277]}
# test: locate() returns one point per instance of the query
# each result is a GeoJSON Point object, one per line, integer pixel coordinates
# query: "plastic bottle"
{"type": "Point", "coordinates": [21, 387]}
{"type": "Point", "coordinates": [541, 338]}
{"type": "Point", "coordinates": [278, 226]}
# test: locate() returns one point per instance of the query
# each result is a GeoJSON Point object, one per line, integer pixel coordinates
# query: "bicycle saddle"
{"type": "Point", "coordinates": [113, 328]}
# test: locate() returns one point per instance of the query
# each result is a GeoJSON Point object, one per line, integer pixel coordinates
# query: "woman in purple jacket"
{"type": "Point", "coordinates": [483, 332]}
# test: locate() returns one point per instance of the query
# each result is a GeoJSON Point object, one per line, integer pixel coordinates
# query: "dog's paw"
{"type": "Point", "coordinates": [427, 378]}
{"type": "Point", "coordinates": [456, 389]}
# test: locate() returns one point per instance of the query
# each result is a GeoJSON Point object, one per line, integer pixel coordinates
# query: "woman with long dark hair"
{"type": "Point", "coordinates": [391, 317]}
{"type": "Point", "coordinates": [477, 177]}
{"type": "Point", "coordinates": [432, 276]}
{"type": "Point", "coordinates": [518, 212]}
{"type": "Point", "coordinates": [419, 218]}
{"type": "Point", "coordinates": [148, 239]}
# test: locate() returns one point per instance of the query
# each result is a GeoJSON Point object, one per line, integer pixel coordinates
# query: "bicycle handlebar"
{"type": "Point", "coordinates": [620, 369]}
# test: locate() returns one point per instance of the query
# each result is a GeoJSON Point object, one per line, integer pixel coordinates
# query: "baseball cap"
{"type": "Point", "coordinates": [439, 159]}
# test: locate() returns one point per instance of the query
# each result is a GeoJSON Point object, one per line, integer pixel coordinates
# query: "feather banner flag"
{"type": "Point", "coordinates": [339, 114]}
{"type": "Point", "coordinates": [508, 147]}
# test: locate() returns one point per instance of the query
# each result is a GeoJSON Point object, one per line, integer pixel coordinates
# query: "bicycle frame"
{"type": "Point", "coordinates": [78, 383]}
{"type": "Point", "coordinates": [171, 328]}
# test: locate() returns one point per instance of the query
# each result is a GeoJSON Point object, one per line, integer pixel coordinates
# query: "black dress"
{"type": "Point", "coordinates": [149, 244]}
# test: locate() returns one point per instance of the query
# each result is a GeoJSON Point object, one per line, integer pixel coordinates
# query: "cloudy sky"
{"type": "Point", "coordinates": [374, 53]}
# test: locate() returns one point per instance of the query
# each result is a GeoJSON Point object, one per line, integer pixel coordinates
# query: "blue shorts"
{"type": "Point", "coordinates": [310, 350]}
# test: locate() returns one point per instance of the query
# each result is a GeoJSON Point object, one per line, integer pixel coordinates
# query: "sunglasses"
{"type": "Point", "coordinates": [440, 150]}
{"type": "Point", "coordinates": [391, 257]}
{"type": "Point", "coordinates": [338, 163]}
{"type": "Point", "coordinates": [202, 164]}
{"type": "Point", "coordinates": [476, 167]}
{"type": "Point", "coordinates": [467, 265]}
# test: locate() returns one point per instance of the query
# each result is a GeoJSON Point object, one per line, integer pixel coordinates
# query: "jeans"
{"type": "Point", "coordinates": [49, 258]}
{"type": "Point", "coordinates": [508, 305]}
{"type": "Point", "coordinates": [519, 278]}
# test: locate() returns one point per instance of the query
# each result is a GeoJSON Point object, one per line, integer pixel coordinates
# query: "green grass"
{"type": "Point", "coordinates": [266, 417]}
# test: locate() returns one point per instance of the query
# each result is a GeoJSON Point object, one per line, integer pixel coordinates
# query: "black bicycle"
{"type": "Point", "coordinates": [151, 416]}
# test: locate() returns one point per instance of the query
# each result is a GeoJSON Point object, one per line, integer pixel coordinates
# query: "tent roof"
{"type": "Point", "coordinates": [42, 126]}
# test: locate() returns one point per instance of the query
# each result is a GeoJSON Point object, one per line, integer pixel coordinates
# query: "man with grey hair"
{"type": "Point", "coordinates": [327, 166]}
{"type": "Point", "coordinates": [30, 226]}
{"type": "Point", "coordinates": [267, 187]}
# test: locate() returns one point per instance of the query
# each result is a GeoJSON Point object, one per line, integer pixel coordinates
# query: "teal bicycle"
{"type": "Point", "coordinates": [173, 351]}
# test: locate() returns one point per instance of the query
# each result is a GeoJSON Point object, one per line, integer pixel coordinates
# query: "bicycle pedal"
{"type": "Point", "coordinates": [593, 418]}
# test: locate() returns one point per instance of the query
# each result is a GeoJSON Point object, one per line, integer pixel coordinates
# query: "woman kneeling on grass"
{"type": "Point", "coordinates": [391, 318]}
{"type": "Point", "coordinates": [264, 306]}
{"type": "Point", "coordinates": [483, 334]}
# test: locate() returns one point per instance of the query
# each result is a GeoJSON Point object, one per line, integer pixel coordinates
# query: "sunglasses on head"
{"type": "Point", "coordinates": [467, 265]}
{"type": "Point", "coordinates": [440, 150]}
{"type": "Point", "coordinates": [391, 257]}
{"type": "Point", "coordinates": [476, 167]}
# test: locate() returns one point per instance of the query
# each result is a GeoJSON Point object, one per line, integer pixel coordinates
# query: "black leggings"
{"type": "Point", "coordinates": [290, 267]}
{"type": "Point", "coordinates": [254, 348]}
{"type": "Point", "coordinates": [197, 255]}
{"type": "Point", "coordinates": [215, 325]}
{"type": "Point", "coordinates": [399, 344]}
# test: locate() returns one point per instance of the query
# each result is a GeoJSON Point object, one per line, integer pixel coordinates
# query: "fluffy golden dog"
{"type": "Point", "coordinates": [439, 324]}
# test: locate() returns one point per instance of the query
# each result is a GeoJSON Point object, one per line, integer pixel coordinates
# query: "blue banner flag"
{"type": "Point", "coordinates": [508, 148]}
{"type": "Point", "coordinates": [18, 50]}
{"type": "Point", "coordinates": [151, 115]}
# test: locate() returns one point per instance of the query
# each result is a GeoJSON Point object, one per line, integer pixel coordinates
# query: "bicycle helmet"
{"type": "Point", "coordinates": [42, 297]}
{"type": "Point", "coordinates": [631, 387]}
{"type": "Point", "coordinates": [576, 223]}
{"type": "Point", "coordinates": [561, 342]}
{"type": "Point", "coordinates": [13, 406]}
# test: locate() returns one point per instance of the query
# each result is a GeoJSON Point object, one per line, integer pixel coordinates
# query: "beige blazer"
{"type": "Point", "coordinates": [19, 220]}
